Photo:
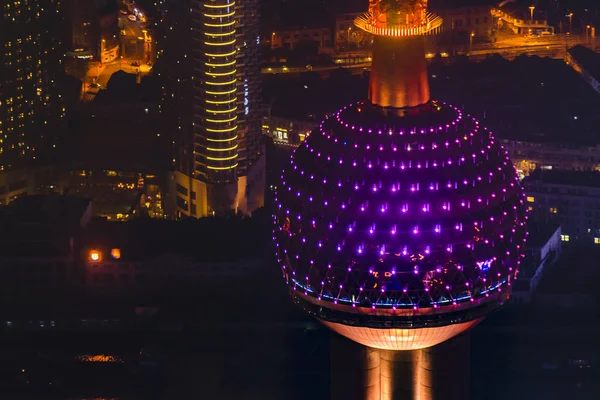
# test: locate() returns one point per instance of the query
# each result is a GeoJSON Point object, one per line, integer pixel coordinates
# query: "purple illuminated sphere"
{"type": "Point", "coordinates": [399, 232]}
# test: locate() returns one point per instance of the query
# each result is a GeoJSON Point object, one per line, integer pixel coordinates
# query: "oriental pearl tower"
{"type": "Point", "coordinates": [400, 222]}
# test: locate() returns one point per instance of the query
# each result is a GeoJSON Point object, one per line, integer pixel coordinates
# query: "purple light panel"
{"type": "Point", "coordinates": [400, 213]}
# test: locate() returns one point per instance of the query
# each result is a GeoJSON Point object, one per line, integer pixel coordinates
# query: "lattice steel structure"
{"type": "Point", "coordinates": [399, 225]}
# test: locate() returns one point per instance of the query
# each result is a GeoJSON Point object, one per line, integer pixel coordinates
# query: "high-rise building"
{"type": "Point", "coordinates": [249, 79]}
{"type": "Point", "coordinates": [217, 146]}
{"type": "Point", "coordinates": [31, 48]}
{"type": "Point", "coordinates": [93, 32]}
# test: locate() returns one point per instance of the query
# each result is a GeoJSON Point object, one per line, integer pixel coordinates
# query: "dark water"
{"type": "Point", "coordinates": [274, 360]}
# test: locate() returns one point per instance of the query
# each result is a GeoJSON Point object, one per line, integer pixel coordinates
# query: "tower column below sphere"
{"type": "Point", "coordinates": [436, 373]}
{"type": "Point", "coordinates": [399, 370]}
{"type": "Point", "coordinates": [355, 370]}
{"type": "Point", "coordinates": [399, 72]}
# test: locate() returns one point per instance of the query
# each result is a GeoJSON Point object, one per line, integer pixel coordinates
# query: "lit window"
{"type": "Point", "coordinates": [94, 255]}
{"type": "Point", "coordinates": [596, 240]}
{"type": "Point", "coordinates": [564, 238]}
{"type": "Point", "coordinates": [115, 253]}
{"type": "Point", "coordinates": [530, 208]}
{"type": "Point", "coordinates": [530, 199]}
{"type": "Point", "coordinates": [553, 210]}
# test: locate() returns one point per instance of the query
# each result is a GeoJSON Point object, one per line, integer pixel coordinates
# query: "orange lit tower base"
{"type": "Point", "coordinates": [435, 373]}
{"type": "Point", "coordinates": [399, 69]}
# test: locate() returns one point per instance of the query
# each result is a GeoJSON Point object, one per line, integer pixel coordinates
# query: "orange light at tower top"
{"type": "Point", "coordinates": [399, 18]}
{"type": "Point", "coordinates": [399, 70]}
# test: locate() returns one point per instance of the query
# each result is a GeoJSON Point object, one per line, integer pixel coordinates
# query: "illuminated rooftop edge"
{"type": "Point", "coordinates": [432, 26]}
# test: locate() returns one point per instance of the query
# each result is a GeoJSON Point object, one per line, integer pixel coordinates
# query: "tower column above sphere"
{"type": "Point", "coordinates": [398, 72]}
{"type": "Point", "coordinates": [399, 69]}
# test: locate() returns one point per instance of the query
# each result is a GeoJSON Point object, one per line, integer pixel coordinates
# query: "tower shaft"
{"type": "Point", "coordinates": [436, 373]}
{"type": "Point", "coordinates": [399, 69]}
{"type": "Point", "coordinates": [399, 72]}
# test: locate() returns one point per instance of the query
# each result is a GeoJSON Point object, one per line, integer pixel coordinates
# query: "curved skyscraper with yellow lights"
{"type": "Point", "coordinates": [215, 111]}
{"type": "Point", "coordinates": [216, 159]}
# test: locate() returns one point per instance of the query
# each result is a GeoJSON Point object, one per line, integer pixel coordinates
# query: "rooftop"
{"type": "Point", "coordinates": [564, 177]}
{"type": "Point", "coordinates": [539, 234]}
{"type": "Point", "coordinates": [587, 59]}
{"type": "Point", "coordinates": [574, 273]}
{"type": "Point", "coordinates": [206, 240]}
{"type": "Point", "coordinates": [40, 225]}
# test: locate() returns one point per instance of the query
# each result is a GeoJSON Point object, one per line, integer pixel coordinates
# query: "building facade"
{"type": "Point", "coordinates": [287, 132]}
{"type": "Point", "coordinates": [543, 251]}
{"type": "Point", "coordinates": [31, 108]}
{"type": "Point", "coordinates": [348, 37]}
{"type": "Point", "coordinates": [585, 62]}
{"type": "Point", "coordinates": [570, 198]}
{"type": "Point", "coordinates": [475, 20]}
{"type": "Point", "coordinates": [290, 38]}
{"type": "Point", "coordinates": [249, 88]}
{"type": "Point", "coordinates": [528, 156]}
{"type": "Point", "coordinates": [216, 153]}
{"type": "Point", "coordinates": [520, 21]}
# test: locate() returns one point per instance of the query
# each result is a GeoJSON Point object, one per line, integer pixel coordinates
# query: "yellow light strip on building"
{"type": "Point", "coordinates": [221, 55]}
{"type": "Point", "coordinates": [220, 83]}
{"type": "Point", "coordinates": [223, 158]}
{"type": "Point", "coordinates": [229, 64]}
{"type": "Point", "coordinates": [221, 73]}
{"type": "Point", "coordinates": [220, 25]}
{"type": "Point", "coordinates": [220, 34]}
{"type": "Point", "coordinates": [222, 168]}
{"type": "Point", "coordinates": [227, 149]}
{"type": "Point", "coordinates": [222, 131]}
{"type": "Point", "coordinates": [220, 43]}
{"type": "Point", "coordinates": [221, 102]}
{"type": "Point", "coordinates": [222, 111]}
{"type": "Point", "coordinates": [221, 140]}
{"type": "Point", "coordinates": [221, 120]}
{"type": "Point", "coordinates": [230, 14]}
{"type": "Point", "coordinates": [220, 6]}
{"type": "Point", "coordinates": [220, 93]}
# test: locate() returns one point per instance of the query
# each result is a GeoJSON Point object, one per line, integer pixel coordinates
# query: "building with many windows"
{"type": "Point", "coordinates": [287, 132]}
{"type": "Point", "coordinates": [31, 108]}
{"type": "Point", "coordinates": [94, 27]}
{"type": "Point", "coordinates": [290, 38]}
{"type": "Point", "coordinates": [570, 198]}
{"type": "Point", "coordinates": [473, 19]}
{"type": "Point", "coordinates": [542, 253]}
{"type": "Point", "coordinates": [217, 135]}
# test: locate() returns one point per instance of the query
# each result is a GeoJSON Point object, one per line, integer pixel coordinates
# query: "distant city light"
{"type": "Point", "coordinates": [115, 253]}
{"type": "Point", "coordinates": [95, 255]}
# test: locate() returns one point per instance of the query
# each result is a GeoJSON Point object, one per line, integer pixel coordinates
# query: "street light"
{"type": "Point", "coordinates": [570, 15]}
{"type": "Point", "coordinates": [471, 36]}
{"type": "Point", "coordinates": [531, 8]}
{"type": "Point", "coordinates": [349, 29]}
{"type": "Point", "coordinates": [587, 28]}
